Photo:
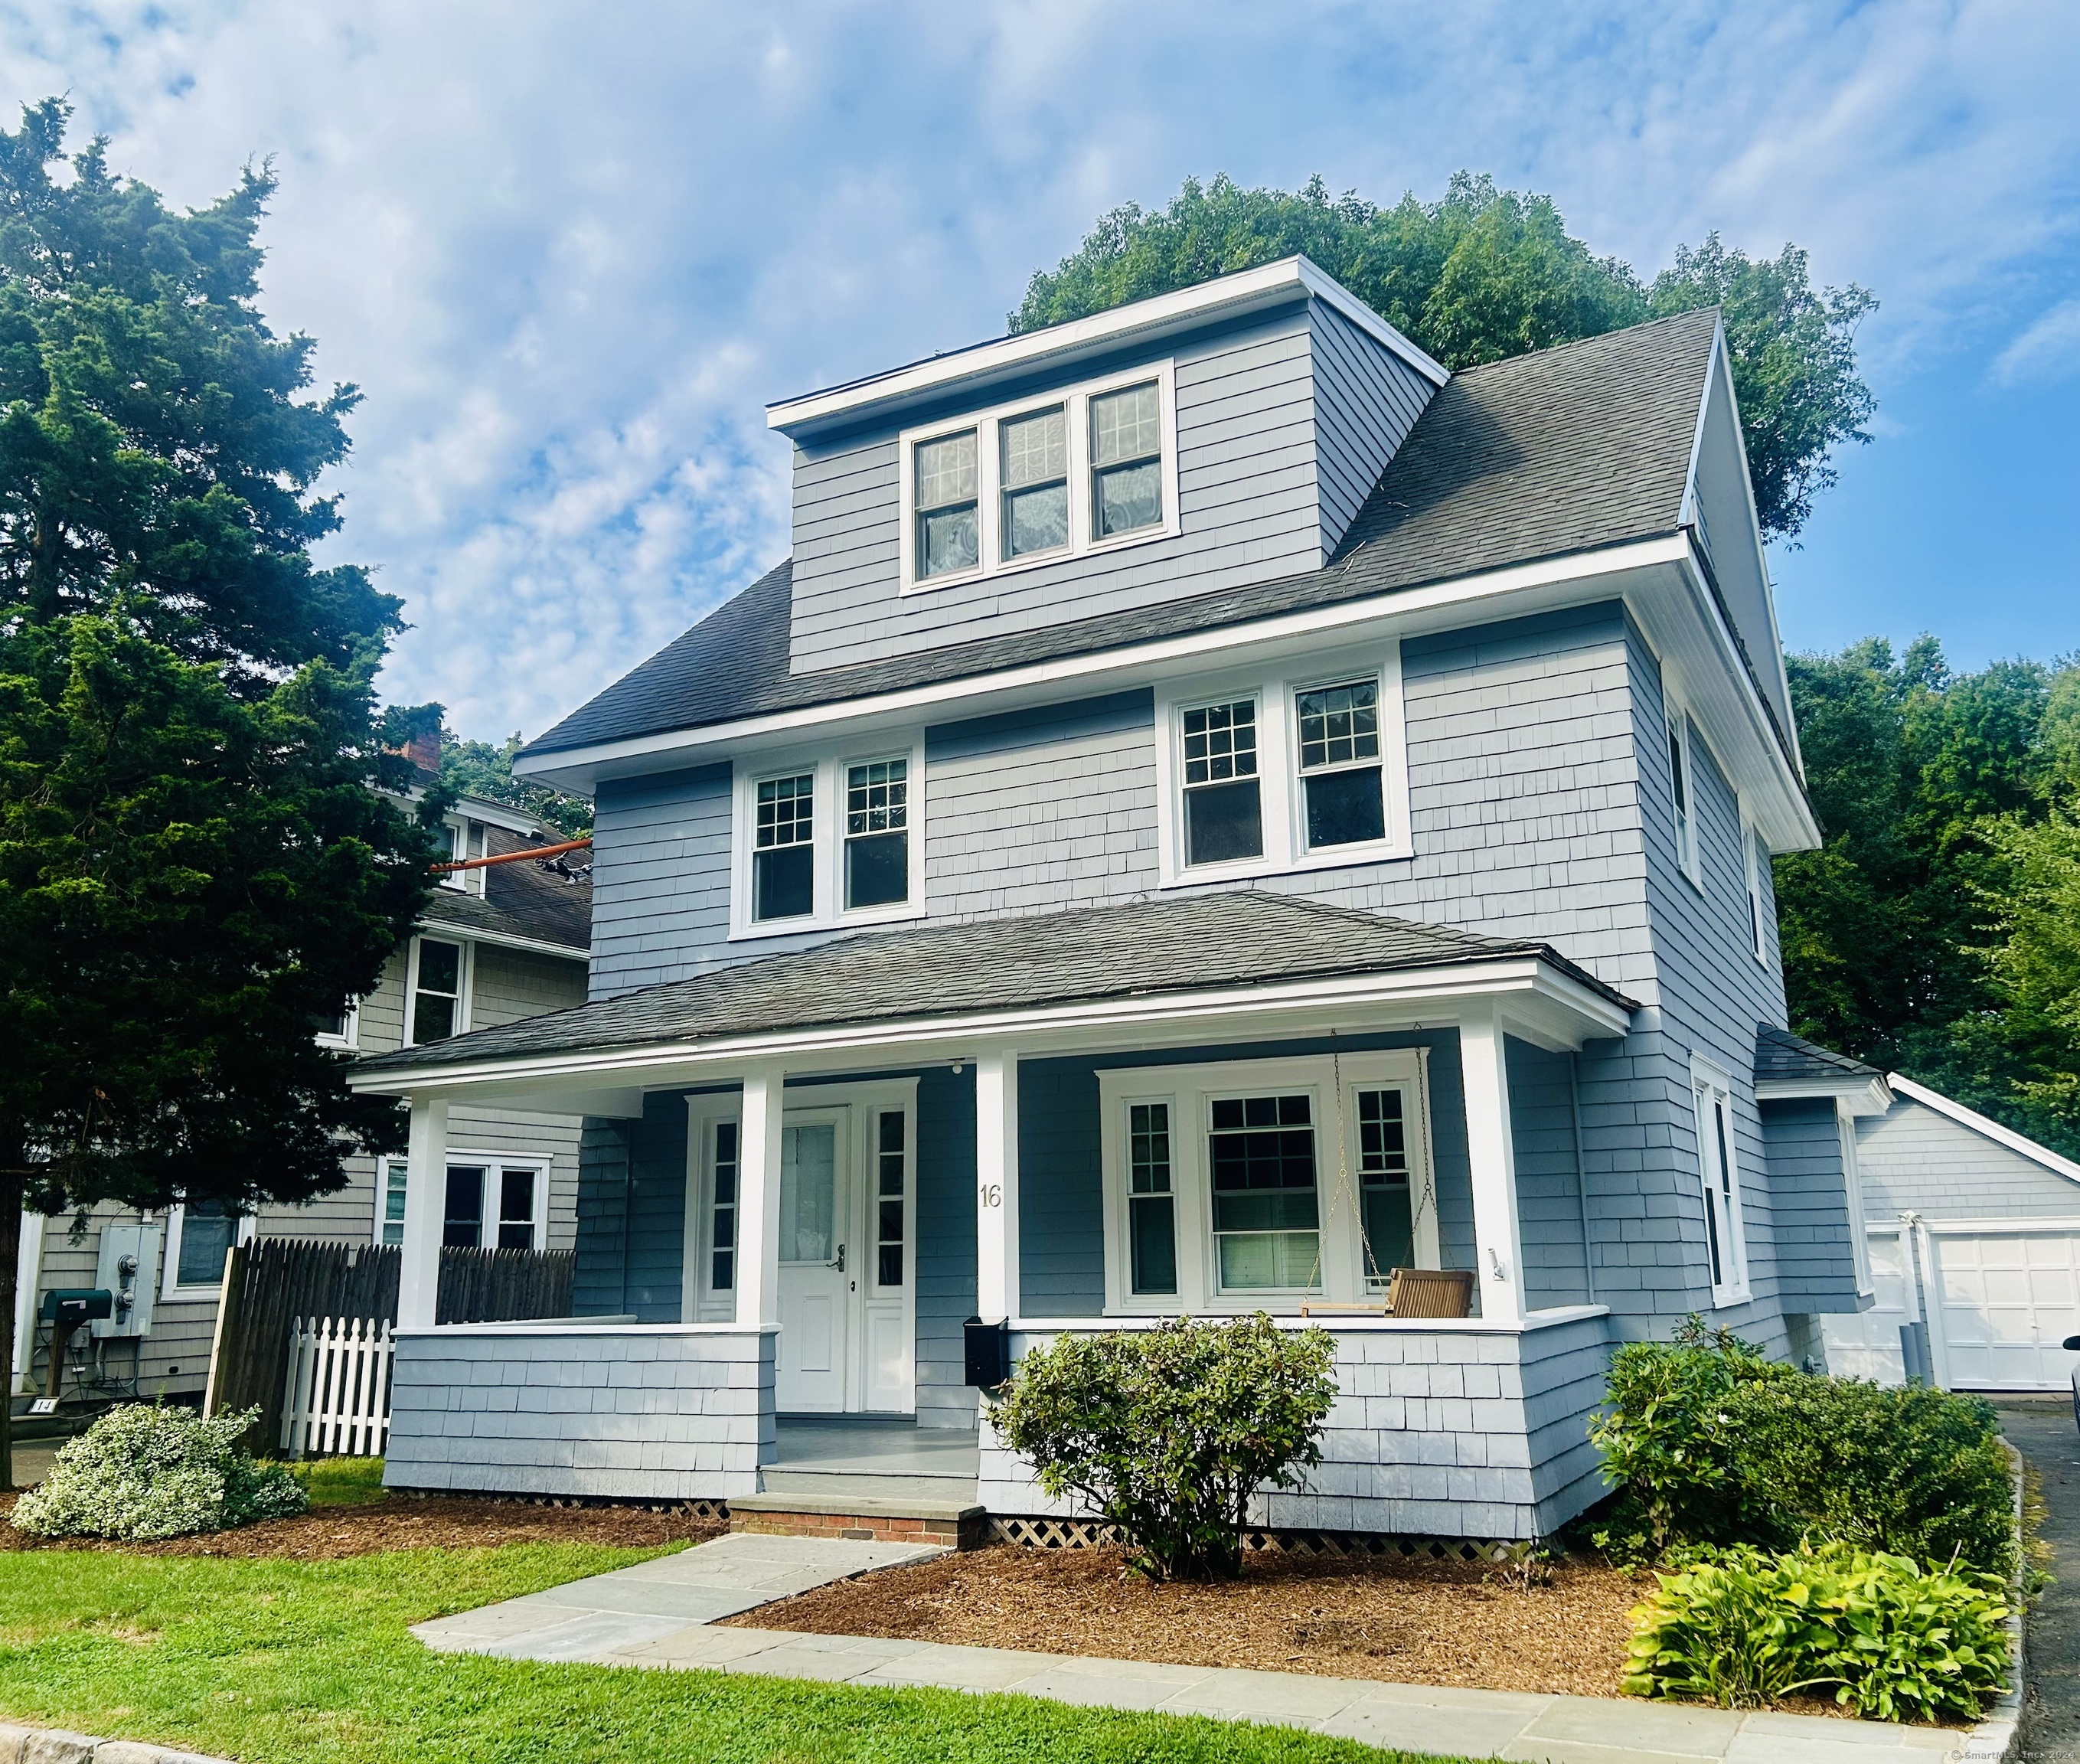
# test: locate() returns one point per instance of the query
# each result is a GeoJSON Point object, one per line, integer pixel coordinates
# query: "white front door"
{"type": "Point", "coordinates": [815, 1216]}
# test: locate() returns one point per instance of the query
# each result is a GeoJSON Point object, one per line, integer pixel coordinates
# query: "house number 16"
{"type": "Point", "coordinates": [992, 1194]}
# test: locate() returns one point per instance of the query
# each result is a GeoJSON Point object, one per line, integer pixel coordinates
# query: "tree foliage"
{"type": "Point", "coordinates": [485, 769]}
{"type": "Point", "coordinates": [1483, 274]}
{"type": "Point", "coordinates": [1932, 934]}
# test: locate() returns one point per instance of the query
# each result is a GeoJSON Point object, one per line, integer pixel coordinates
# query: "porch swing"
{"type": "Point", "coordinates": [1410, 1292]}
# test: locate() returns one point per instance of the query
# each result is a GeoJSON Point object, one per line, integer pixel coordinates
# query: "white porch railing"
{"type": "Point", "coordinates": [337, 1399]}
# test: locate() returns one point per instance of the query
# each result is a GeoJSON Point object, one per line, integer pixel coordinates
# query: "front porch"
{"type": "Point", "coordinates": [781, 1238]}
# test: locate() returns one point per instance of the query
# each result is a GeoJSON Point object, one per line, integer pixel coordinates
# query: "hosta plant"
{"type": "Point", "coordinates": [147, 1471]}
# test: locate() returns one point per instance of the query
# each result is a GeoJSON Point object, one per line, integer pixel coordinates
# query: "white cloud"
{"type": "Point", "coordinates": [2049, 349]}
{"type": "Point", "coordinates": [570, 253]}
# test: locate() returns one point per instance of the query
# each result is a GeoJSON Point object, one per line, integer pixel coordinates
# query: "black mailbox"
{"type": "Point", "coordinates": [988, 1353]}
{"type": "Point", "coordinates": [68, 1307]}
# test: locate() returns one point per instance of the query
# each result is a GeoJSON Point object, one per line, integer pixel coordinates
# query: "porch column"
{"type": "Point", "coordinates": [1491, 1151]}
{"type": "Point", "coordinates": [758, 1197]}
{"type": "Point", "coordinates": [425, 1214]}
{"type": "Point", "coordinates": [996, 1185]}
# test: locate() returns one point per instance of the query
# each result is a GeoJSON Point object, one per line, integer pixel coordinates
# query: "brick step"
{"type": "Point", "coordinates": [953, 1524]}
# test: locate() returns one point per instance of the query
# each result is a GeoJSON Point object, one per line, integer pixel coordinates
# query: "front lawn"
{"type": "Point", "coordinates": [268, 1658]}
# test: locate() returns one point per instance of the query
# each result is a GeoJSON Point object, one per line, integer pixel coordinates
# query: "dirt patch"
{"type": "Point", "coordinates": [1419, 1621]}
{"type": "Point", "coordinates": [408, 1522]}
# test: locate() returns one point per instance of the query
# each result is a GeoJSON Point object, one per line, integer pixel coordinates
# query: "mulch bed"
{"type": "Point", "coordinates": [1410, 1622]}
{"type": "Point", "coordinates": [407, 1523]}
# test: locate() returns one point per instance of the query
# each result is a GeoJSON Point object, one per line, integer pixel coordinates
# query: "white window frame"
{"type": "Point", "coordinates": [1282, 798]}
{"type": "Point", "coordinates": [1860, 1239]}
{"type": "Point", "coordinates": [1189, 1091]}
{"type": "Point", "coordinates": [1752, 860]}
{"type": "Point", "coordinates": [383, 1166]}
{"type": "Point", "coordinates": [170, 1288]}
{"type": "Point", "coordinates": [492, 1163]}
{"type": "Point", "coordinates": [465, 982]}
{"type": "Point", "coordinates": [1711, 1084]}
{"type": "Point", "coordinates": [461, 829]}
{"type": "Point", "coordinates": [1682, 796]}
{"type": "Point", "coordinates": [827, 833]}
{"type": "Point", "coordinates": [349, 1040]}
{"type": "Point", "coordinates": [1075, 402]}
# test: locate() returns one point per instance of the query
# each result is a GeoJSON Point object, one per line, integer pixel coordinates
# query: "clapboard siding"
{"type": "Point", "coordinates": [1913, 1158]}
{"type": "Point", "coordinates": [1815, 1259]}
{"type": "Point", "coordinates": [1366, 400]}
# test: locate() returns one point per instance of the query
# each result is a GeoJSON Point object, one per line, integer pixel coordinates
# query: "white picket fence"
{"type": "Point", "coordinates": [338, 1399]}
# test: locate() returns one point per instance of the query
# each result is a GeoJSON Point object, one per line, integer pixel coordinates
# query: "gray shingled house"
{"type": "Point", "coordinates": [1216, 809]}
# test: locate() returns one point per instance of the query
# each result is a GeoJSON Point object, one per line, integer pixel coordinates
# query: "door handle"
{"type": "Point", "coordinates": [839, 1263]}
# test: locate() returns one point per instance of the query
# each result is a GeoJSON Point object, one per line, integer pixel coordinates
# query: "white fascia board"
{"type": "Point", "coordinates": [1992, 1130]}
{"type": "Point", "coordinates": [532, 946]}
{"type": "Point", "coordinates": [1268, 283]}
{"type": "Point", "coordinates": [1868, 1096]}
{"type": "Point", "coordinates": [1392, 612]}
{"type": "Point", "coordinates": [1539, 999]}
{"type": "Point", "coordinates": [496, 814]}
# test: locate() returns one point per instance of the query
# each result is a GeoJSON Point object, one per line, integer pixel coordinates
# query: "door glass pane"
{"type": "Point", "coordinates": [1266, 1210]}
{"type": "Point", "coordinates": [462, 1226]}
{"type": "Point", "coordinates": [207, 1228]}
{"type": "Point", "coordinates": [516, 1209]}
{"type": "Point", "coordinates": [808, 1193]}
{"type": "Point", "coordinates": [889, 1185]}
{"type": "Point", "coordinates": [722, 1270]}
{"type": "Point", "coordinates": [1384, 1196]}
{"type": "Point", "coordinates": [1151, 1208]}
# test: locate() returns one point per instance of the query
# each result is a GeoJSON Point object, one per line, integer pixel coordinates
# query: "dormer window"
{"type": "Point", "coordinates": [948, 485]}
{"type": "Point", "coordinates": [1036, 482]}
{"type": "Point", "coordinates": [1126, 461]}
{"type": "Point", "coordinates": [1028, 485]}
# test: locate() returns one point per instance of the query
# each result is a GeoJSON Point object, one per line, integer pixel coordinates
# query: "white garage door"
{"type": "Point", "coordinates": [2006, 1299]}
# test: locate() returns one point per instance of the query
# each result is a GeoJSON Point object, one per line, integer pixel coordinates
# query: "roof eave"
{"type": "Point", "coordinates": [1861, 1095]}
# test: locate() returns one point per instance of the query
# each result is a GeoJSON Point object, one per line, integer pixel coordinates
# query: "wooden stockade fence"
{"type": "Point", "coordinates": [337, 1400]}
{"type": "Point", "coordinates": [270, 1284]}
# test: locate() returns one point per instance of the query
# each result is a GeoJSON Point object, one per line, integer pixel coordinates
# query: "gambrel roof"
{"type": "Point", "coordinates": [1567, 451]}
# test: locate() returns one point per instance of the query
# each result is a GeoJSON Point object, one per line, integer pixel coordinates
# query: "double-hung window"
{"type": "Point", "coordinates": [1758, 904]}
{"type": "Point", "coordinates": [492, 1206]}
{"type": "Point", "coordinates": [1267, 1212]}
{"type": "Point", "coordinates": [1035, 476]}
{"type": "Point", "coordinates": [1339, 764]}
{"type": "Point", "coordinates": [1126, 461]}
{"type": "Point", "coordinates": [1719, 1173]}
{"type": "Point", "coordinates": [783, 864]}
{"type": "Point", "coordinates": [439, 1006]}
{"type": "Point", "coordinates": [1682, 794]}
{"type": "Point", "coordinates": [946, 487]}
{"type": "Point", "coordinates": [1223, 799]}
{"type": "Point", "coordinates": [1385, 1194]}
{"type": "Point", "coordinates": [877, 839]}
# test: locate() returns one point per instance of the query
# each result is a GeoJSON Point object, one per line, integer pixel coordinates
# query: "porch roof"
{"type": "Point", "coordinates": [1196, 944]}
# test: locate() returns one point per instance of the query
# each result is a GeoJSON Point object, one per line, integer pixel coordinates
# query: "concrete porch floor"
{"type": "Point", "coordinates": [881, 1457]}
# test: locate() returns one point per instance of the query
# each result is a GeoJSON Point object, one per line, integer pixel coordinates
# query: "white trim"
{"type": "Point", "coordinates": [1282, 791]}
{"type": "Point", "coordinates": [171, 1290]}
{"type": "Point", "coordinates": [1859, 1096]}
{"type": "Point", "coordinates": [1265, 285]}
{"type": "Point", "coordinates": [1074, 401]}
{"type": "Point", "coordinates": [493, 1164]}
{"type": "Point", "coordinates": [350, 1042]}
{"type": "Point", "coordinates": [826, 835]}
{"type": "Point", "coordinates": [1968, 1228]}
{"type": "Point", "coordinates": [1550, 1009]}
{"type": "Point", "coordinates": [1758, 916]}
{"type": "Point", "coordinates": [1713, 1145]}
{"type": "Point", "coordinates": [1992, 1130]}
{"type": "Point", "coordinates": [384, 1163]}
{"type": "Point", "coordinates": [451, 932]}
{"type": "Point", "coordinates": [465, 973]}
{"type": "Point", "coordinates": [28, 1265]}
{"type": "Point", "coordinates": [1682, 791]}
{"type": "Point", "coordinates": [1528, 1323]}
{"type": "Point", "coordinates": [1188, 1091]}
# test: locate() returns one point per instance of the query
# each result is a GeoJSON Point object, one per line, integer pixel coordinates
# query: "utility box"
{"type": "Point", "coordinates": [129, 1268]}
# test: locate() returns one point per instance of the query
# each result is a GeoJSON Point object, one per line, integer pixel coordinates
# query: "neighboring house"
{"type": "Point", "coordinates": [493, 945]}
{"type": "Point", "coordinates": [1216, 809]}
{"type": "Point", "coordinates": [1974, 1251]}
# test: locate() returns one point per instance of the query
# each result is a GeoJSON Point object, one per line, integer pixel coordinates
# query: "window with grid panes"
{"type": "Point", "coordinates": [1223, 814]}
{"type": "Point", "coordinates": [1267, 1212]}
{"type": "Point", "coordinates": [891, 1184]}
{"type": "Point", "coordinates": [1384, 1196]}
{"type": "Point", "coordinates": [783, 877]}
{"type": "Point", "coordinates": [1339, 764]}
{"type": "Point", "coordinates": [945, 485]}
{"type": "Point", "coordinates": [1126, 460]}
{"type": "Point", "coordinates": [395, 1171]}
{"type": "Point", "coordinates": [1033, 468]}
{"type": "Point", "coordinates": [877, 840]}
{"type": "Point", "coordinates": [722, 1217]}
{"type": "Point", "coordinates": [437, 992]}
{"type": "Point", "coordinates": [1151, 1206]}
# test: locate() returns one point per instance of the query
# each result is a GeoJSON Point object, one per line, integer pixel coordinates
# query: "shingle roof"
{"type": "Point", "coordinates": [1181, 944]}
{"type": "Point", "coordinates": [1780, 1057]}
{"type": "Point", "coordinates": [519, 901]}
{"type": "Point", "coordinates": [1568, 450]}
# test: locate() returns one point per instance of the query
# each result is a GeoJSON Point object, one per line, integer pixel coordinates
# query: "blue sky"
{"type": "Point", "coordinates": [569, 252]}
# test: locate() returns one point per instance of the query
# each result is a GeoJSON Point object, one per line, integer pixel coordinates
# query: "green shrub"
{"type": "Point", "coordinates": [1666, 1444]}
{"type": "Point", "coordinates": [1896, 1641]}
{"type": "Point", "coordinates": [1915, 1471]}
{"type": "Point", "coordinates": [144, 1471]}
{"type": "Point", "coordinates": [1166, 1433]}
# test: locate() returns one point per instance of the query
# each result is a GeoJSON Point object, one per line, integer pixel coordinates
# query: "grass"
{"type": "Point", "coordinates": [340, 1481]}
{"type": "Point", "coordinates": [267, 1659]}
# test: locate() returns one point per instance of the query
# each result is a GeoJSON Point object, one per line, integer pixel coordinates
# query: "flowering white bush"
{"type": "Point", "coordinates": [147, 1471]}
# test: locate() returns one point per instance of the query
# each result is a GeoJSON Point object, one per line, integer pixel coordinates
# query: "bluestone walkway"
{"type": "Point", "coordinates": [661, 1613]}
